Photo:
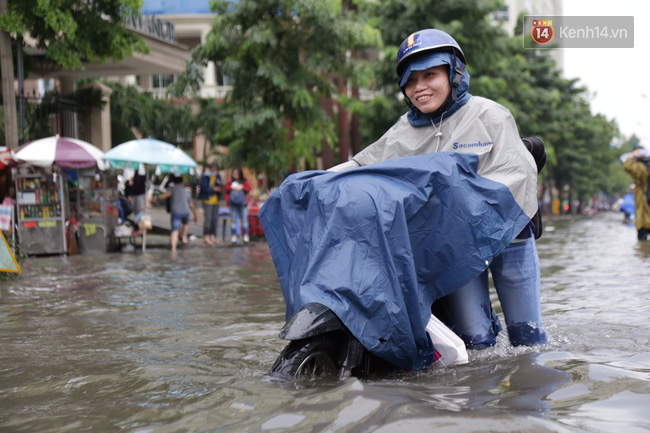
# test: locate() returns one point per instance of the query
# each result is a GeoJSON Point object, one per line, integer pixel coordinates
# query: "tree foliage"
{"type": "Point", "coordinates": [157, 118]}
{"type": "Point", "coordinates": [38, 117]}
{"type": "Point", "coordinates": [528, 82]}
{"type": "Point", "coordinates": [283, 55]}
{"type": "Point", "coordinates": [468, 21]}
{"type": "Point", "coordinates": [72, 31]}
{"type": "Point", "coordinates": [286, 57]}
{"type": "Point", "coordinates": [556, 109]}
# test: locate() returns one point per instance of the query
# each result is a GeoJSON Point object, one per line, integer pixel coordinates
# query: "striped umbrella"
{"type": "Point", "coordinates": [61, 151]}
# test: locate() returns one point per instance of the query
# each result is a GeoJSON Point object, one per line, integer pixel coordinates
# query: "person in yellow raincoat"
{"type": "Point", "coordinates": [636, 165]}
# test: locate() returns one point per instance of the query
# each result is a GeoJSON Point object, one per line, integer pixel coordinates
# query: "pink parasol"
{"type": "Point", "coordinates": [61, 151]}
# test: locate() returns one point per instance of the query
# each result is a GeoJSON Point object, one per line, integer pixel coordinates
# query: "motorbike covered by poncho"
{"type": "Point", "coordinates": [378, 244]}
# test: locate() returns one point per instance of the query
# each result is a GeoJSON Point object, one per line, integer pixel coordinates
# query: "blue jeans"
{"type": "Point", "coordinates": [516, 277]}
{"type": "Point", "coordinates": [238, 212]}
{"type": "Point", "coordinates": [178, 219]}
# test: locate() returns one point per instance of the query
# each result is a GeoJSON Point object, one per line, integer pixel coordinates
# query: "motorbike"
{"type": "Point", "coordinates": [320, 344]}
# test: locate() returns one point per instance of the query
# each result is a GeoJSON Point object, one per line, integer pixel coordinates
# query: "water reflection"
{"type": "Point", "coordinates": [156, 342]}
{"type": "Point", "coordinates": [642, 249]}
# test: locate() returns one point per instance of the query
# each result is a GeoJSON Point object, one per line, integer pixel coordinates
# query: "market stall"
{"type": "Point", "coordinates": [165, 157]}
{"type": "Point", "coordinates": [93, 199]}
{"type": "Point", "coordinates": [64, 200]}
{"type": "Point", "coordinates": [40, 207]}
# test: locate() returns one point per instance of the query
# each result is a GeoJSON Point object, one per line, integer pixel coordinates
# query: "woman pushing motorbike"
{"type": "Point", "coordinates": [444, 117]}
{"type": "Point", "coordinates": [417, 218]}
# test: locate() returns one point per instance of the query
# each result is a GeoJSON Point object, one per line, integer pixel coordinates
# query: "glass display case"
{"type": "Point", "coordinates": [95, 205]}
{"type": "Point", "coordinates": [40, 210]}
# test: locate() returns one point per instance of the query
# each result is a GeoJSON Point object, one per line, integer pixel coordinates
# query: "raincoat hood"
{"type": "Point", "coordinates": [416, 117]}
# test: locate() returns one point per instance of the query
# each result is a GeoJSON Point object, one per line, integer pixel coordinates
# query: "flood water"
{"type": "Point", "coordinates": [155, 342]}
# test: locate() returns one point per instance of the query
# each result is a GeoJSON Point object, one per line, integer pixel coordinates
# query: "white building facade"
{"type": "Point", "coordinates": [509, 14]}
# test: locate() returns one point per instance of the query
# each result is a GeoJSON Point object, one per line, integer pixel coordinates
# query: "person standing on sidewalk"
{"type": "Point", "coordinates": [136, 193]}
{"type": "Point", "coordinates": [210, 189]}
{"type": "Point", "coordinates": [237, 189]}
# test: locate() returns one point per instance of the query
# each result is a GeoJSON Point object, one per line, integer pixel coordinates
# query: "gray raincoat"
{"type": "Point", "coordinates": [481, 126]}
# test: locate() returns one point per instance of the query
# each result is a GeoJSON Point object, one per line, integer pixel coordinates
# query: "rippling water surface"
{"type": "Point", "coordinates": [160, 343]}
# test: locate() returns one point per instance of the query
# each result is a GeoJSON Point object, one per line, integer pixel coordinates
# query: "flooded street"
{"type": "Point", "coordinates": [155, 342]}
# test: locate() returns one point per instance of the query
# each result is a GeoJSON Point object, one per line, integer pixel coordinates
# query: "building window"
{"type": "Point", "coordinates": [222, 80]}
{"type": "Point", "coordinates": [161, 81]}
{"type": "Point", "coordinates": [158, 84]}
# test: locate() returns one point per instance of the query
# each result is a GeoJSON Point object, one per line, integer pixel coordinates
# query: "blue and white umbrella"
{"type": "Point", "coordinates": [166, 157]}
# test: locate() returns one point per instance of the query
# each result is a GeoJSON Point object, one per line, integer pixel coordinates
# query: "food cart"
{"type": "Point", "coordinates": [41, 212]}
{"type": "Point", "coordinates": [94, 201]}
{"type": "Point", "coordinates": [59, 185]}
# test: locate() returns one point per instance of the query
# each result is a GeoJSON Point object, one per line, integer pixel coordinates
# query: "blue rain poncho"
{"type": "Point", "coordinates": [378, 244]}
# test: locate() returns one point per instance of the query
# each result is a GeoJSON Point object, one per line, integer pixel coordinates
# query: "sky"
{"type": "Point", "coordinates": [618, 79]}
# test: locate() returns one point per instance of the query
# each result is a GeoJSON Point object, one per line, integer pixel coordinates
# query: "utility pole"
{"type": "Point", "coordinates": [8, 91]}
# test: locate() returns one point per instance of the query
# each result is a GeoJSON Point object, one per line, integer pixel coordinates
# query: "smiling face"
{"type": "Point", "coordinates": [428, 89]}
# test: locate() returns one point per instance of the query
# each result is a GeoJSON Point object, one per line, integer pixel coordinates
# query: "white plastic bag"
{"type": "Point", "coordinates": [449, 347]}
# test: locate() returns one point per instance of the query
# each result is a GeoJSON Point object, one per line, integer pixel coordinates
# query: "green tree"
{"type": "Point", "coordinates": [287, 56]}
{"type": "Point", "coordinates": [284, 57]}
{"type": "Point", "coordinates": [468, 21]}
{"type": "Point", "coordinates": [210, 120]}
{"type": "Point", "coordinates": [68, 32]}
{"type": "Point", "coordinates": [158, 118]}
{"type": "Point", "coordinates": [556, 109]}
{"type": "Point", "coordinates": [72, 31]}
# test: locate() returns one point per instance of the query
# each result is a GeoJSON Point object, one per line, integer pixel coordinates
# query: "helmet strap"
{"type": "Point", "coordinates": [459, 71]}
